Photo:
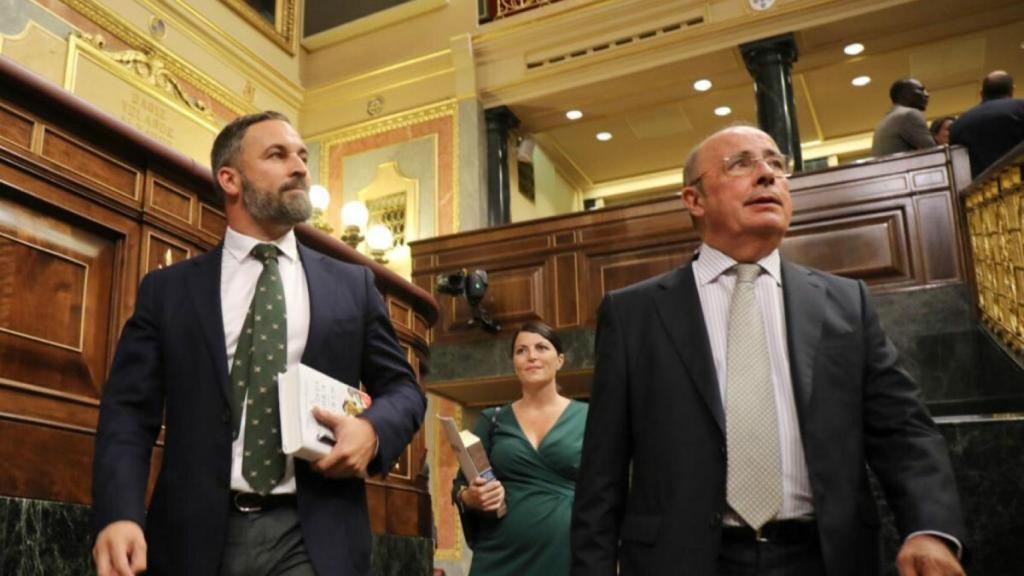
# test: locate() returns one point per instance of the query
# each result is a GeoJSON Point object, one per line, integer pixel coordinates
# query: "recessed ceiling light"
{"type": "Point", "coordinates": [853, 49]}
{"type": "Point", "coordinates": [702, 85]}
{"type": "Point", "coordinates": [604, 136]}
{"type": "Point", "coordinates": [723, 111]}
{"type": "Point", "coordinates": [861, 81]}
{"type": "Point", "coordinates": [574, 114]}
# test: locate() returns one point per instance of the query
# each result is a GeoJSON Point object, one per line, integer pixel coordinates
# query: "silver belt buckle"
{"type": "Point", "coordinates": [242, 508]}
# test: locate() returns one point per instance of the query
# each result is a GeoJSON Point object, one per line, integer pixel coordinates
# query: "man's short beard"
{"type": "Point", "coordinates": [274, 207]}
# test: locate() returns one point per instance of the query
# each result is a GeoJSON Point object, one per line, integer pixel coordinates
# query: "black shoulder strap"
{"type": "Point", "coordinates": [492, 428]}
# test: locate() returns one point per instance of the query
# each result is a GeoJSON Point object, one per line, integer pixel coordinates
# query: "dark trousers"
{"type": "Point", "coordinates": [265, 543]}
{"type": "Point", "coordinates": [793, 550]}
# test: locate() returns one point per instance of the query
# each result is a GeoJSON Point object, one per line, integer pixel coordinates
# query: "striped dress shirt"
{"type": "Point", "coordinates": [715, 278]}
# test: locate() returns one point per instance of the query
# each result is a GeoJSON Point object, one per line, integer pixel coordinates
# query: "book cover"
{"type": "Point", "coordinates": [473, 460]}
{"type": "Point", "coordinates": [299, 390]}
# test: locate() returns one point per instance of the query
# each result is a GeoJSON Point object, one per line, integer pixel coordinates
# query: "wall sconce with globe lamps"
{"type": "Point", "coordinates": [320, 198]}
{"type": "Point", "coordinates": [354, 217]}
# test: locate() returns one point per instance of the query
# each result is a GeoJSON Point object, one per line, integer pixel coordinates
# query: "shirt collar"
{"type": "Point", "coordinates": [240, 246]}
{"type": "Point", "coordinates": [713, 263]}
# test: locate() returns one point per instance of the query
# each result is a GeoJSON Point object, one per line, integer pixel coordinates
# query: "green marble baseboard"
{"type": "Point", "coordinates": [41, 538]}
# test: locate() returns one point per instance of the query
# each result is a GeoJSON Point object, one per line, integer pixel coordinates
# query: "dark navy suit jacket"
{"type": "Point", "coordinates": [989, 130]}
{"type": "Point", "coordinates": [171, 363]}
{"type": "Point", "coordinates": [651, 491]}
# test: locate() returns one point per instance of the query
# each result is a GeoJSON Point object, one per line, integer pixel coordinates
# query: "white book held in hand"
{"type": "Point", "coordinates": [473, 461]}
{"type": "Point", "coordinates": [299, 390]}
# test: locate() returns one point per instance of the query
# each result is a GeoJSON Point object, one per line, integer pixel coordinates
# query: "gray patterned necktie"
{"type": "Point", "coordinates": [754, 480]}
{"type": "Point", "coordinates": [261, 355]}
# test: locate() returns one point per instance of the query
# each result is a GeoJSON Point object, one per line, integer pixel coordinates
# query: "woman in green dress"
{"type": "Point", "coordinates": [534, 446]}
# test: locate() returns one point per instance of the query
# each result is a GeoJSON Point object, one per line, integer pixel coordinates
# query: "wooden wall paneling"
{"type": "Point", "coordinates": [110, 176]}
{"type": "Point", "coordinates": [610, 270]}
{"type": "Point", "coordinates": [168, 202]}
{"type": "Point", "coordinates": [377, 501]}
{"type": "Point", "coordinates": [160, 250]}
{"type": "Point", "coordinates": [508, 251]}
{"type": "Point", "coordinates": [212, 222]}
{"type": "Point", "coordinates": [403, 508]}
{"type": "Point", "coordinates": [566, 291]}
{"type": "Point", "coordinates": [942, 254]}
{"type": "Point", "coordinates": [50, 462]}
{"type": "Point", "coordinates": [872, 246]}
{"type": "Point", "coordinates": [16, 128]}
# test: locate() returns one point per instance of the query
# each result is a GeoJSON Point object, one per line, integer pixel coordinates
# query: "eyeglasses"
{"type": "Point", "coordinates": [744, 163]}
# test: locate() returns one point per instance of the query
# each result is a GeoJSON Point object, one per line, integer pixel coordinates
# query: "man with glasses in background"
{"type": "Point", "coordinates": [737, 401]}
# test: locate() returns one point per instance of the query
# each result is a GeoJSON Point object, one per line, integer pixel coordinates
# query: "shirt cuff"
{"type": "Point", "coordinates": [952, 542]}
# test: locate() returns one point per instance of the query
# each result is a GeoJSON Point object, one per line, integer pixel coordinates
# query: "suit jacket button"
{"type": "Point", "coordinates": [716, 520]}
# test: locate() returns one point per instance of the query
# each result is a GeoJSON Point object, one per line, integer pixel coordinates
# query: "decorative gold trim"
{"type": "Point", "coordinates": [85, 302]}
{"type": "Point", "coordinates": [281, 32]}
{"type": "Point", "coordinates": [147, 67]}
{"type": "Point", "coordinates": [386, 123]}
{"type": "Point", "coordinates": [108, 20]}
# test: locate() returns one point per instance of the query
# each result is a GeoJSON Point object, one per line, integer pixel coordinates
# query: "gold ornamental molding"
{"type": "Point", "coordinates": [995, 223]}
{"type": "Point", "coordinates": [126, 32]}
{"type": "Point", "coordinates": [281, 31]}
{"type": "Point", "coordinates": [388, 123]}
{"type": "Point", "coordinates": [152, 70]}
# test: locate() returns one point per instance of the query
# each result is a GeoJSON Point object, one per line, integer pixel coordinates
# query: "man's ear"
{"type": "Point", "coordinates": [230, 181]}
{"type": "Point", "coordinates": [694, 200]}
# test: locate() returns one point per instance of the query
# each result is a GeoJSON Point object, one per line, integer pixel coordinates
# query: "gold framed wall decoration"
{"type": "Point", "coordinates": [281, 30]}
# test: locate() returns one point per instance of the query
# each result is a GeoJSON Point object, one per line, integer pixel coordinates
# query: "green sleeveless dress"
{"type": "Point", "coordinates": [540, 484]}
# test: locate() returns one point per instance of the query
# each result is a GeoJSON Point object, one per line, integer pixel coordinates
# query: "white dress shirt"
{"type": "Point", "coordinates": [715, 281]}
{"type": "Point", "coordinates": [238, 275]}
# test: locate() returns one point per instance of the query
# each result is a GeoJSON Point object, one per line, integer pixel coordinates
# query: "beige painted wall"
{"type": "Point", "coordinates": [554, 194]}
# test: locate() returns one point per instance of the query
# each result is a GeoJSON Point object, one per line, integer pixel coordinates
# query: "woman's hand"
{"type": "Point", "coordinates": [483, 495]}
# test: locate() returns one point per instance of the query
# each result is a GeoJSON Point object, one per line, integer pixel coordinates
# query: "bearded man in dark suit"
{"type": "Point", "coordinates": [203, 350]}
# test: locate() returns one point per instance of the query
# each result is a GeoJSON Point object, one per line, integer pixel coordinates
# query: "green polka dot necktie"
{"type": "Point", "coordinates": [261, 355]}
{"type": "Point", "coordinates": [754, 479]}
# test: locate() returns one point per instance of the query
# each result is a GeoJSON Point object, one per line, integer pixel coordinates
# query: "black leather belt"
{"type": "Point", "coordinates": [780, 532]}
{"type": "Point", "coordinates": [251, 502]}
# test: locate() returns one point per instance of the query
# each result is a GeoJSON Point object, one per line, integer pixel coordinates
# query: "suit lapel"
{"type": "Point", "coordinates": [804, 296]}
{"type": "Point", "coordinates": [204, 287]}
{"type": "Point", "coordinates": [679, 309]}
{"type": "Point", "coordinates": [321, 302]}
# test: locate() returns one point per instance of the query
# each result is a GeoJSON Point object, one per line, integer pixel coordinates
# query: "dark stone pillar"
{"type": "Point", "coordinates": [500, 121]}
{"type": "Point", "coordinates": [769, 62]}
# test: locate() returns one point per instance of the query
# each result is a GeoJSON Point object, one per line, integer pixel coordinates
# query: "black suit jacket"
{"type": "Point", "coordinates": [989, 130]}
{"type": "Point", "coordinates": [651, 492]}
{"type": "Point", "coordinates": [171, 362]}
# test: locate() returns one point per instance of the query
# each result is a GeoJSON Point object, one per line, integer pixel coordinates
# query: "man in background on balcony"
{"type": "Point", "coordinates": [737, 400]}
{"type": "Point", "coordinates": [204, 348]}
{"type": "Point", "coordinates": [993, 127]}
{"type": "Point", "coordinates": [904, 128]}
